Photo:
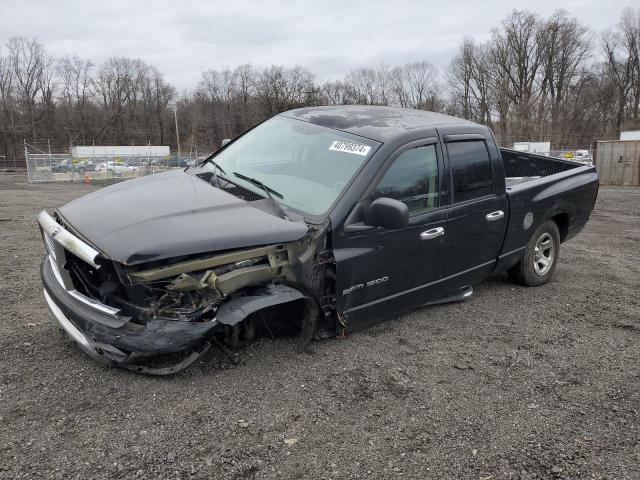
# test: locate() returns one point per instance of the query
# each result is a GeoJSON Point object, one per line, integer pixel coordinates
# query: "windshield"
{"type": "Point", "coordinates": [307, 164]}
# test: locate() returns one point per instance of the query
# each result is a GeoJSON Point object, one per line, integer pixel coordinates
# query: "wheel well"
{"type": "Point", "coordinates": [562, 220]}
{"type": "Point", "coordinates": [295, 318]}
{"type": "Point", "coordinates": [283, 319]}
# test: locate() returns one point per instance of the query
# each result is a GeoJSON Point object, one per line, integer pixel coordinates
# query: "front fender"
{"type": "Point", "coordinates": [239, 308]}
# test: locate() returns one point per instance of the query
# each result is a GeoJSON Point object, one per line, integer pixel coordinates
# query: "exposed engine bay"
{"type": "Point", "coordinates": [187, 290]}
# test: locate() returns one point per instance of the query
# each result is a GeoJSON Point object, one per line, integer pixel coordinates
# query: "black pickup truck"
{"type": "Point", "coordinates": [313, 223]}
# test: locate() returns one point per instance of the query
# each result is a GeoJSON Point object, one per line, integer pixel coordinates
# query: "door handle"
{"type": "Point", "coordinates": [493, 216]}
{"type": "Point", "coordinates": [433, 233]}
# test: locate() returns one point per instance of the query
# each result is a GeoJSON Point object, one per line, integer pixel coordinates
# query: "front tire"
{"type": "Point", "coordinates": [540, 258]}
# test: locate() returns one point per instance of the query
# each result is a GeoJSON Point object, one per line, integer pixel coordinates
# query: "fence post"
{"type": "Point", "coordinates": [26, 160]}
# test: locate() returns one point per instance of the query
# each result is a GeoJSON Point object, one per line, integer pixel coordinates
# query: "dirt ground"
{"type": "Point", "coordinates": [515, 383]}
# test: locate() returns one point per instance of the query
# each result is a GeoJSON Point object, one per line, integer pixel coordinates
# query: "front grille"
{"type": "Point", "coordinates": [232, 188]}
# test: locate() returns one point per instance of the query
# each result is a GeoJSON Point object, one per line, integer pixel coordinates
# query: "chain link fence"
{"type": "Point", "coordinates": [11, 165]}
{"type": "Point", "coordinates": [41, 167]}
{"type": "Point", "coordinates": [105, 165]}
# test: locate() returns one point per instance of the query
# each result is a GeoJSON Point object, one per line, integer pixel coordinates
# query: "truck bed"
{"type": "Point", "coordinates": [523, 167]}
{"type": "Point", "coordinates": [543, 187]}
{"type": "Point", "coordinates": [513, 181]}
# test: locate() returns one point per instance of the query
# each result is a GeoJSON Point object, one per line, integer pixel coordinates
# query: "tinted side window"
{"type": "Point", "coordinates": [413, 179]}
{"type": "Point", "coordinates": [471, 170]}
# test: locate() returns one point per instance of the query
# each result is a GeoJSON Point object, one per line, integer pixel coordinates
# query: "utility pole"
{"type": "Point", "coordinates": [175, 118]}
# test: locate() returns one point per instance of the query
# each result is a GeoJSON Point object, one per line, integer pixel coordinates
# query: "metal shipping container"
{"type": "Point", "coordinates": [618, 162]}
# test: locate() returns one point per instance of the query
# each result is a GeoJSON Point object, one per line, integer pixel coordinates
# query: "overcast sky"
{"type": "Point", "coordinates": [183, 38]}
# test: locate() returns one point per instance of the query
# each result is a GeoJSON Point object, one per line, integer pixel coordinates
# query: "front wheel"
{"type": "Point", "coordinates": [540, 258]}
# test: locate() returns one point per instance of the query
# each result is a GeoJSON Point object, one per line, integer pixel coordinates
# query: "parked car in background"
{"type": "Point", "coordinates": [64, 166]}
{"type": "Point", "coordinates": [85, 166]}
{"type": "Point", "coordinates": [73, 166]}
{"type": "Point", "coordinates": [178, 162]}
{"type": "Point", "coordinates": [115, 168]}
{"type": "Point", "coordinates": [583, 156]}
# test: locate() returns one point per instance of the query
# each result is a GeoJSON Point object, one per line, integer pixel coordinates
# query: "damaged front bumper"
{"type": "Point", "coordinates": [158, 347]}
{"type": "Point", "coordinates": [154, 344]}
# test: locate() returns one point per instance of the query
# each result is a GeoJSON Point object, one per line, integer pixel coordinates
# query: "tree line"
{"type": "Point", "coordinates": [535, 78]}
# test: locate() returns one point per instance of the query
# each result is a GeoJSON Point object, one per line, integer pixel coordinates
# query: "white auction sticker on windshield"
{"type": "Point", "coordinates": [348, 147]}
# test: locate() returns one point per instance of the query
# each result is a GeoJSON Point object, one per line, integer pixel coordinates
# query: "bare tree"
{"type": "Point", "coordinates": [157, 97]}
{"type": "Point", "coordinates": [114, 89]}
{"type": "Point", "coordinates": [414, 84]}
{"type": "Point", "coordinates": [76, 92]}
{"type": "Point", "coordinates": [621, 48]}
{"type": "Point", "coordinates": [518, 51]}
{"type": "Point", "coordinates": [535, 78]}
{"type": "Point", "coordinates": [7, 100]}
{"type": "Point", "coordinates": [461, 77]}
{"type": "Point", "coordinates": [567, 46]}
{"type": "Point", "coordinates": [28, 61]}
{"type": "Point", "coordinates": [364, 86]}
{"type": "Point", "coordinates": [476, 90]}
{"type": "Point", "coordinates": [283, 88]}
{"type": "Point", "coordinates": [336, 93]}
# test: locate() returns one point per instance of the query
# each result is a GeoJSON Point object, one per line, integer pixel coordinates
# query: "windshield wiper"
{"type": "Point", "coordinates": [268, 191]}
{"type": "Point", "coordinates": [215, 176]}
{"type": "Point", "coordinates": [210, 160]}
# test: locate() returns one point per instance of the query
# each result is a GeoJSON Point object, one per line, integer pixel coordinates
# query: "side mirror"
{"type": "Point", "coordinates": [388, 213]}
{"type": "Point", "coordinates": [224, 142]}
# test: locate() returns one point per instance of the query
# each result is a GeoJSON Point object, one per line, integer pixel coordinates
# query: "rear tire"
{"type": "Point", "coordinates": [540, 258]}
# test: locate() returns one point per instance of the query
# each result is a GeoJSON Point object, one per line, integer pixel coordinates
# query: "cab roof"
{"type": "Point", "coordinates": [383, 124]}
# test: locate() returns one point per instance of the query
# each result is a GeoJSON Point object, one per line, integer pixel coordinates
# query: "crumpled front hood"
{"type": "Point", "coordinates": [172, 214]}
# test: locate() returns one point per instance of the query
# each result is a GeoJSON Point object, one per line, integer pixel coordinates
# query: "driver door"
{"type": "Point", "coordinates": [383, 271]}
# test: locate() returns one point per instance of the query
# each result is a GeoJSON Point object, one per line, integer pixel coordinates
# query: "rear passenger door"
{"type": "Point", "coordinates": [476, 218]}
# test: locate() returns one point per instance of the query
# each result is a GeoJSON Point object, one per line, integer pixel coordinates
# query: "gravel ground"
{"type": "Point", "coordinates": [515, 383]}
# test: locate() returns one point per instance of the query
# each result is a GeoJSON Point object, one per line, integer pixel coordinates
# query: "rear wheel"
{"type": "Point", "coordinates": [540, 258]}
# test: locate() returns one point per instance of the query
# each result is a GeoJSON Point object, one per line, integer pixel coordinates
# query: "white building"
{"type": "Point", "coordinates": [122, 152]}
{"type": "Point", "coordinates": [541, 148]}
{"type": "Point", "coordinates": [630, 135]}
